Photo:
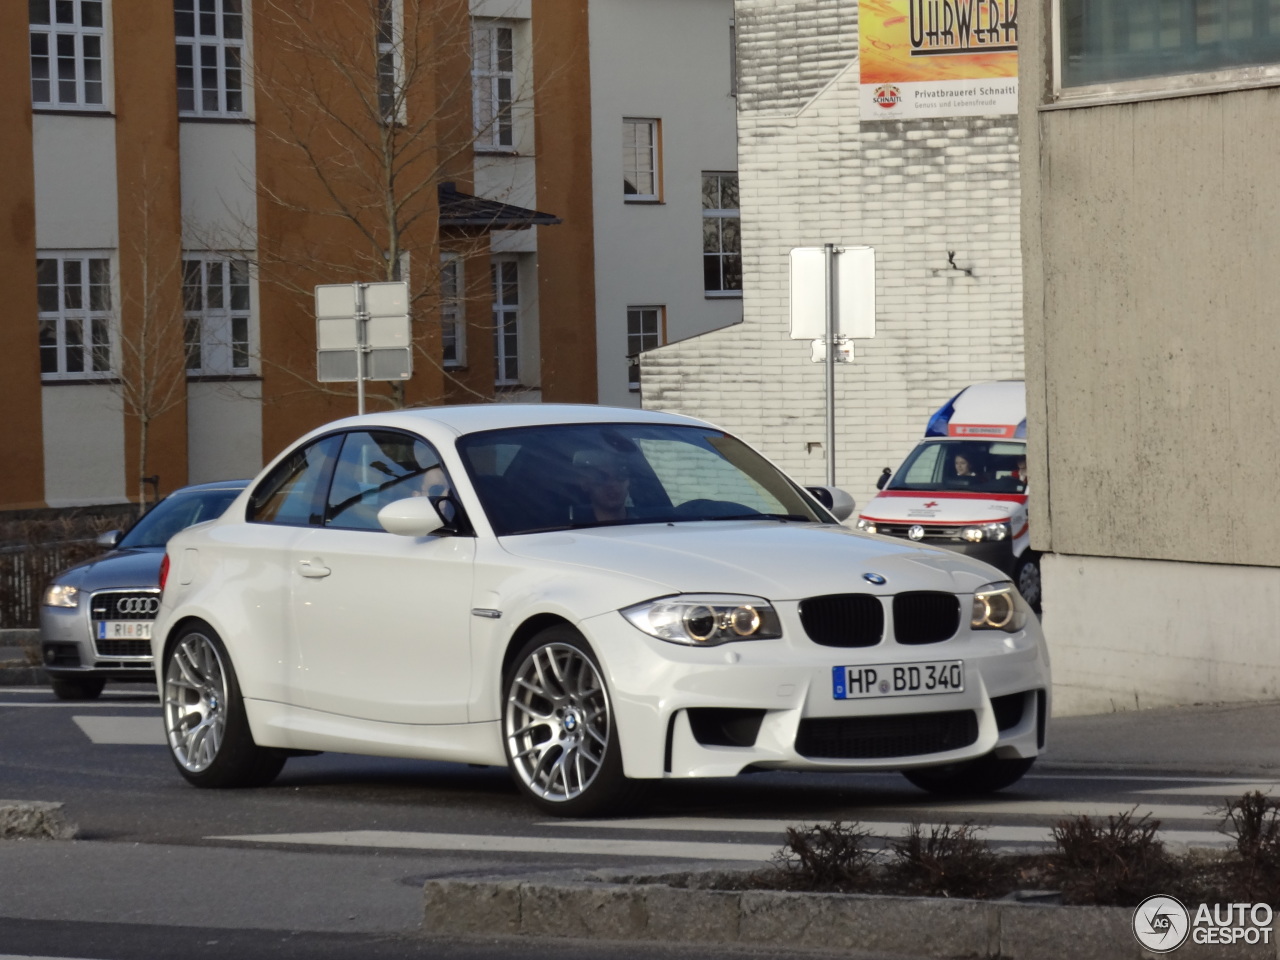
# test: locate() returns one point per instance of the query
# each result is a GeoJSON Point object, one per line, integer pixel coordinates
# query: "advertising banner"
{"type": "Point", "coordinates": [938, 58]}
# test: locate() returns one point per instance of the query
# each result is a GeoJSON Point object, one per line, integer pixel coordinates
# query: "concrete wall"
{"type": "Point", "coordinates": [224, 430]}
{"type": "Point", "coordinates": [669, 60]}
{"type": "Point", "coordinates": [219, 196]}
{"type": "Point", "coordinates": [75, 173]}
{"type": "Point", "coordinates": [1151, 230]}
{"type": "Point", "coordinates": [812, 173]}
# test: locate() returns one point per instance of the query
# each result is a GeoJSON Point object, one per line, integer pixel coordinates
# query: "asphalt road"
{"type": "Point", "coordinates": [329, 860]}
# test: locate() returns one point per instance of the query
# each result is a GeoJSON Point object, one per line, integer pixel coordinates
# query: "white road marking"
{"type": "Point", "coordinates": [129, 731]}
{"type": "Point", "coordinates": [79, 705]}
{"type": "Point", "coordinates": [1220, 789]}
{"type": "Point", "coordinates": [659, 849]}
{"type": "Point", "coordinates": [683, 850]}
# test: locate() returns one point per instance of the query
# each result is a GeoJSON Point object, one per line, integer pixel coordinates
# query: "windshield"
{"type": "Point", "coordinates": [602, 474]}
{"type": "Point", "coordinates": [983, 466]}
{"type": "Point", "coordinates": [174, 513]}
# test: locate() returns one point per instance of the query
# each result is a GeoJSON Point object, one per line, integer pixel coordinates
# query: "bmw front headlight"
{"type": "Point", "coordinates": [61, 595]}
{"type": "Point", "coordinates": [998, 606]}
{"type": "Point", "coordinates": [706, 620]}
{"type": "Point", "coordinates": [986, 531]}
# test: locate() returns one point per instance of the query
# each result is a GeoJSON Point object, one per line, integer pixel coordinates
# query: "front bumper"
{"type": "Point", "coordinates": [69, 648]}
{"type": "Point", "coordinates": [769, 704]}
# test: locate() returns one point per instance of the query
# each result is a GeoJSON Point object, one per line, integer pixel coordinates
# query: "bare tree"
{"type": "Point", "coordinates": [149, 362]}
{"type": "Point", "coordinates": [368, 103]}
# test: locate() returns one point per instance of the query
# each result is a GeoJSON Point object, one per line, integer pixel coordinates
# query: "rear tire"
{"type": "Point", "coordinates": [88, 688]}
{"type": "Point", "coordinates": [204, 715]}
{"type": "Point", "coordinates": [986, 774]}
{"type": "Point", "coordinates": [559, 731]}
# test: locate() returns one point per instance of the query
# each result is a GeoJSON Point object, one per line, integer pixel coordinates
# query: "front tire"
{"type": "Point", "coordinates": [558, 728]}
{"type": "Point", "coordinates": [87, 688]}
{"type": "Point", "coordinates": [204, 716]}
{"type": "Point", "coordinates": [986, 774]}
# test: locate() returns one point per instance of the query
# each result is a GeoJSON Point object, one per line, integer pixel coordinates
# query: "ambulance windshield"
{"type": "Point", "coordinates": [982, 466]}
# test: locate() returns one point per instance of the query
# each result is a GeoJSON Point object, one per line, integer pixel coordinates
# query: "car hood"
{"type": "Point", "coordinates": [939, 507]}
{"type": "Point", "coordinates": [136, 567]}
{"type": "Point", "coordinates": [769, 559]}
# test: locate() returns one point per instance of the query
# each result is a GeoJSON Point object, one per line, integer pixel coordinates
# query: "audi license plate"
{"type": "Point", "coordinates": [898, 679]}
{"type": "Point", "coordinates": [124, 629]}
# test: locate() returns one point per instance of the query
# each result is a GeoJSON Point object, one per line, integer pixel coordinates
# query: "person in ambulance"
{"type": "Point", "coordinates": [964, 486]}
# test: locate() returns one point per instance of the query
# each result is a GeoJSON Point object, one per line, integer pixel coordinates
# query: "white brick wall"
{"type": "Point", "coordinates": [914, 190]}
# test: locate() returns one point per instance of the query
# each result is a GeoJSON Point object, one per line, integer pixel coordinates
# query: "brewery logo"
{"type": "Point", "coordinates": [887, 96]}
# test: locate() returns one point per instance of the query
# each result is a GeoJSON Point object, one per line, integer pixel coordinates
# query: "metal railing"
{"type": "Point", "coordinates": [26, 570]}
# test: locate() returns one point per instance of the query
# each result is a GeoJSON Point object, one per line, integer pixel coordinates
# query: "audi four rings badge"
{"type": "Point", "coordinates": [137, 605]}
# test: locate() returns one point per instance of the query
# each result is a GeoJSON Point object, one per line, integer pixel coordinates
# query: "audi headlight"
{"type": "Point", "coordinates": [986, 531]}
{"type": "Point", "coordinates": [61, 595]}
{"type": "Point", "coordinates": [998, 606]}
{"type": "Point", "coordinates": [706, 620]}
{"type": "Point", "coordinates": [866, 526]}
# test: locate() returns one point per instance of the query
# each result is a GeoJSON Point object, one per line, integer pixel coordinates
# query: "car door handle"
{"type": "Point", "coordinates": [313, 568]}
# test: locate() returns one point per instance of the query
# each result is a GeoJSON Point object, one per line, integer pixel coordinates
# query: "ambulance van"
{"type": "Point", "coordinates": [964, 486]}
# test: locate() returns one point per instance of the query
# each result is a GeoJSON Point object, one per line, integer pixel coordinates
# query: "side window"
{"type": "Point", "coordinates": [376, 468]}
{"type": "Point", "coordinates": [293, 493]}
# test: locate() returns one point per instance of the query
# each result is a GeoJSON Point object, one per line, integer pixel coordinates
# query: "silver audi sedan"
{"type": "Point", "coordinates": [95, 617]}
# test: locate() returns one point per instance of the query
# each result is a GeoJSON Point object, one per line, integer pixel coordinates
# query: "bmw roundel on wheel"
{"type": "Point", "coordinates": [592, 597]}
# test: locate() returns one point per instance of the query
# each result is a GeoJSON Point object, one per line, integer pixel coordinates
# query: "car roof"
{"type": "Point", "coordinates": [473, 418]}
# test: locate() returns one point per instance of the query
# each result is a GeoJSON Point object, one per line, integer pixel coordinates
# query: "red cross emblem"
{"type": "Point", "coordinates": [932, 503]}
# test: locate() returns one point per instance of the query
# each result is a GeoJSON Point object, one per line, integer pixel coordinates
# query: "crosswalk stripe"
{"type": "Point", "coordinates": [472, 843]}
{"type": "Point", "coordinates": [660, 849]}
{"type": "Point", "coordinates": [1217, 789]}
{"type": "Point", "coordinates": [129, 731]}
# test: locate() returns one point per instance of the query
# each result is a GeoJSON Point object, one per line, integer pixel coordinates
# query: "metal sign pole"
{"type": "Point", "coordinates": [362, 319]}
{"type": "Point", "coordinates": [830, 254]}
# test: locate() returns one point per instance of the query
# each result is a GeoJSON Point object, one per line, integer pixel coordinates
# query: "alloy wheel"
{"type": "Point", "coordinates": [557, 722]}
{"type": "Point", "coordinates": [195, 702]}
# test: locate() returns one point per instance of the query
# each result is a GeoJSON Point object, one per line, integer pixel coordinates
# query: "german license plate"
{"type": "Point", "coordinates": [897, 679]}
{"type": "Point", "coordinates": [124, 629]}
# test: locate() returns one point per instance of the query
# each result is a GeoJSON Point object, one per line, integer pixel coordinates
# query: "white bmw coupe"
{"type": "Point", "coordinates": [593, 597]}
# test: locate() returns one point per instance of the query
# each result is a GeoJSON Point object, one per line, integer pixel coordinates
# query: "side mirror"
{"type": "Point", "coordinates": [109, 539]}
{"type": "Point", "coordinates": [834, 499]}
{"type": "Point", "coordinates": [411, 517]}
{"type": "Point", "coordinates": [883, 478]}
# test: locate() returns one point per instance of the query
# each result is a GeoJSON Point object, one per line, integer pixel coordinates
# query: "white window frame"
{"type": "Point", "coordinates": [506, 321]}
{"type": "Point", "coordinates": [453, 329]}
{"type": "Point", "coordinates": [390, 67]}
{"type": "Point", "coordinates": [640, 338]}
{"type": "Point", "coordinates": [721, 214]}
{"type": "Point", "coordinates": [215, 57]}
{"type": "Point", "coordinates": [87, 73]}
{"type": "Point", "coordinates": [81, 315]}
{"type": "Point", "coordinates": [640, 159]}
{"type": "Point", "coordinates": [493, 84]}
{"type": "Point", "coordinates": [1157, 87]}
{"type": "Point", "coordinates": [219, 332]}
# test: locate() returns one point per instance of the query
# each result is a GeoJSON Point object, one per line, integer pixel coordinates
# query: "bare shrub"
{"type": "Point", "coordinates": [948, 861]}
{"type": "Point", "coordinates": [1118, 863]}
{"type": "Point", "coordinates": [1254, 821]}
{"type": "Point", "coordinates": [831, 857]}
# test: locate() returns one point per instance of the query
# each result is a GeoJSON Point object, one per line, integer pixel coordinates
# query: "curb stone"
{"type": "Point", "coordinates": [34, 820]}
{"type": "Point", "coordinates": [888, 926]}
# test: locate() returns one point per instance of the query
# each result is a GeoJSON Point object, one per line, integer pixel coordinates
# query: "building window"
{"type": "Point", "coordinates": [67, 41]}
{"type": "Point", "coordinates": [1113, 41]}
{"type": "Point", "coordinates": [390, 63]}
{"type": "Point", "coordinates": [210, 54]}
{"type": "Point", "coordinates": [74, 296]}
{"type": "Point", "coordinates": [493, 84]}
{"type": "Point", "coordinates": [646, 328]}
{"type": "Point", "coordinates": [215, 298]}
{"type": "Point", "coordinates": [452, 332]}
{"type": "Point", "coordinates": [506, 315]}
{"type": "Point", "coordinates": [641, 175]}
{"type": "Point", "coordinates": [721, 236]}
